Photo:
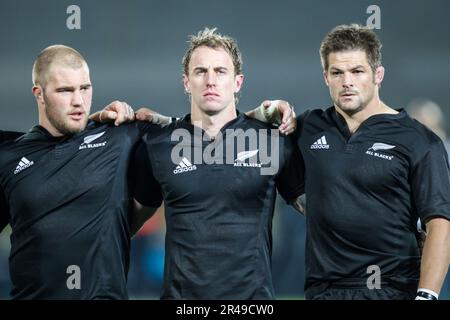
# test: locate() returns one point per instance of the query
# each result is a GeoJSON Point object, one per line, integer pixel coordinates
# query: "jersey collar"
{"type": "Point", "coordinates": [185, 122]}
{"type": "Point", "coordinates": [341, 124]}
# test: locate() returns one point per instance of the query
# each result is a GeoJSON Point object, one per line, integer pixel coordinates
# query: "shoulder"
{"type": "Point", "coordinates": [250, 123]}
{"type": "Point", "coordinates": [9, 135]}
{"type": "Point", "coordinates": [315, 114]}
{"type": "Point", "coordinates": [415, 133]}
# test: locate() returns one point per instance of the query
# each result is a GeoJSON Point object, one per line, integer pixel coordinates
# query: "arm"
{"type": "Point", "coordinates": [139, 216]}
{"type": "Point", "coordinates": [145, 114]}
{"type": "Point", "coordinates": [291, 178]}
{"type": "Point", "coordinates": [436, 255]}
{"type": "Point", "coordinates": [121, 112]}
{"type": "Point", "coordinates": [276, 112]}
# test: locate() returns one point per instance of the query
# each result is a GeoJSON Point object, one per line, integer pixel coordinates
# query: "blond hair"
{"type": "Point", "coordinates": [60, 54]}
{"type": "Point", "coordinates": [211, 39]}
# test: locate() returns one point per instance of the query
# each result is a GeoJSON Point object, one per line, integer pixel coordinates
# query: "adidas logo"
{"type": "Point", "coordinates": [320, 144]}
{"type": "Point", "coordinates": [184, 166]}
{"type": "Point", "coordinates": [24, 163]}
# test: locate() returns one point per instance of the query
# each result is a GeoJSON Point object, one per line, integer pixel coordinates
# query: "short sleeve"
{"type": "Point", "coordinates": [291, 178]}
{"type": "Point", "coordinates": [145, 188]}
{"type": "Point", "coordinates": [430, 183]}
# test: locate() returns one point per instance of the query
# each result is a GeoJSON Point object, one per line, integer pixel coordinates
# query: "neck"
{"type": "Point", "coordinates": [43, 122]}
{"type": "Point", "coordinates": [212, 123]}
{"type": "Point", "coordinates": [354, 120]}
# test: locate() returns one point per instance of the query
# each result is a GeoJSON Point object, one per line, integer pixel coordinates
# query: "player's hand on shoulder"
{"type": "Point", "coordinates": [281, 113]}
{"type": "Point", "coordinates": [117, 111]}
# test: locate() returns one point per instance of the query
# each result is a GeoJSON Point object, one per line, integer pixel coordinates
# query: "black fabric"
{"type": "Point", "coordinates": [4, 210]}
{"type": "Point", "coordinates": [365, 193]}
{"type": "Point", "coordinates": [358, 293]}
{"type": "Point", "coordinates": [9, 135]}
{"type": "Point", "coordinates": [68, 200]}
{"type": "Point", "coordinates": [219, 215]}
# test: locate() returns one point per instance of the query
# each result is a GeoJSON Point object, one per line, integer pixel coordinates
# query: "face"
{"type": "Point", "coordinates": [351, 81]}
{"type": "Point", "coordinates": [211, 81]}
{"type": "Point", "coordinates": [65, 101]}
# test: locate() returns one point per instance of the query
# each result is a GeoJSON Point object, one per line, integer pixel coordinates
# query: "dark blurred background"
{"type": "Point", "coordinates": [134, 49]}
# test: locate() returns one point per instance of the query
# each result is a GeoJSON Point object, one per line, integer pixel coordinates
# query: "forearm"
{"type": "Point", "coordinates": [436, 255]}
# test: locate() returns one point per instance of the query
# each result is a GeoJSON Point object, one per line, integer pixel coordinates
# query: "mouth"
{"type": "Point", "coordinates": [348, 94]}
{"type": "Point", "coordinates": [77, 116]}
{"type": "Point", "coordinates": [210, 94]}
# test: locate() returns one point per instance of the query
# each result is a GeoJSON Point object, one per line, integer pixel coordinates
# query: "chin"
{"type": "Point", "coordinates": [77, 128]}
{"type": "Point", "coordinates": [212, 109]}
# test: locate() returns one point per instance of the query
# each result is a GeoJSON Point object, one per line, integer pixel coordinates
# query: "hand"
{"type": "Point", "coordinates": [280, 107]}
{"type": "Point", "coordinates": [117, 110]}
{"type": "Point", "coordinates": [146, 114]}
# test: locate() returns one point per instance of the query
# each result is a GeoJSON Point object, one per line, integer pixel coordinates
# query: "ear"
{"type": "Point", "coordinates": [239, 80]}
{"type": "Point", "coordinates": [37, 92]}
{"type": "Point", "coordinates": [325, 77]}
{"type": "Point", "coordinates": [379, 75]}
{"type": "Point", "coordinates": [186, 83]}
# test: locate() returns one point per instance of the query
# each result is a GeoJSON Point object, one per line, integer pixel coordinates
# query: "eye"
{"type": "Point", "coordinates": [335, 73]}
{"type": "Point", "coordinates": [358, 71]}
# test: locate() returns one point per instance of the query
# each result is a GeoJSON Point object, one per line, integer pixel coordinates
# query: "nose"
{"type": "Point", "coordinates": [211, 78]}
{"type": "Point", "coordinates": [77, 98]}
{"type": "Point", "coordinates": [348, 80]}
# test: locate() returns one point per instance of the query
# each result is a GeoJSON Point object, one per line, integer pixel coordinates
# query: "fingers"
{"type": "Point", "coordinates": [107, 115]}
{"type": "Point", "coordinates": [124, 112]}
{"type": "Point", "coordinates": [144, 114]}
{"type": "Point", "coordinates": [289, 121]}
{"type": "Point", "coordinates": [118, 111]}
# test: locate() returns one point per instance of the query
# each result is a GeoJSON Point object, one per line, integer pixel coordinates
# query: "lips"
{"type": "Point", "coordinates": [76, 115]}
{"type": "Point", "coordinates": [348, 94]}
{"type": "Point", "coordinates": [210, 94]}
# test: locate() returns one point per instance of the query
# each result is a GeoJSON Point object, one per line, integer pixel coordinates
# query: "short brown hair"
{"type": "Point", "coordinates": [210, 38]}
{"type": "Point", "coordinates": [62, 54]}
{"type": "Point", "coordinates": [351, 37]}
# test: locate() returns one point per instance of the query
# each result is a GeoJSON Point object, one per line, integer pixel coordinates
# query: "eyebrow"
{"type": "Point", "coordinates": [71, 88]}
{"type": "Point", "coordinates": [204, 68]}
{"type": "Point", "coordinates": [351, 69]}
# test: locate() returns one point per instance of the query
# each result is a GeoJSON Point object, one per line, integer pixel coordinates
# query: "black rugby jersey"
{"type": "Point", "coordinates": [365, 192]}
{"type": "Point", "coordinates": [8, 135]}
{"type": "Point", "coordinates": [67, 200]}
{"type": "Point", "coordinates": [218, 213]}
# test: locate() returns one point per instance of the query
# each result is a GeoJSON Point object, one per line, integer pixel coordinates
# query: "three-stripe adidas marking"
{"type": "Point", "coordinates": [184, 166]}
{"type": "Point", "coordinates": [23, 164]}
{"type": "Point", "coordinates": [321, 143]}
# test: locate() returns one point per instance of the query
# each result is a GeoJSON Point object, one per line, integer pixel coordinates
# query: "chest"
{"type": "Point", "coordinates": [366, 159]}
{"type": "Point", "coordinates": [47, 175]}
{"type": "Point", "coordinates": [213, 170]}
